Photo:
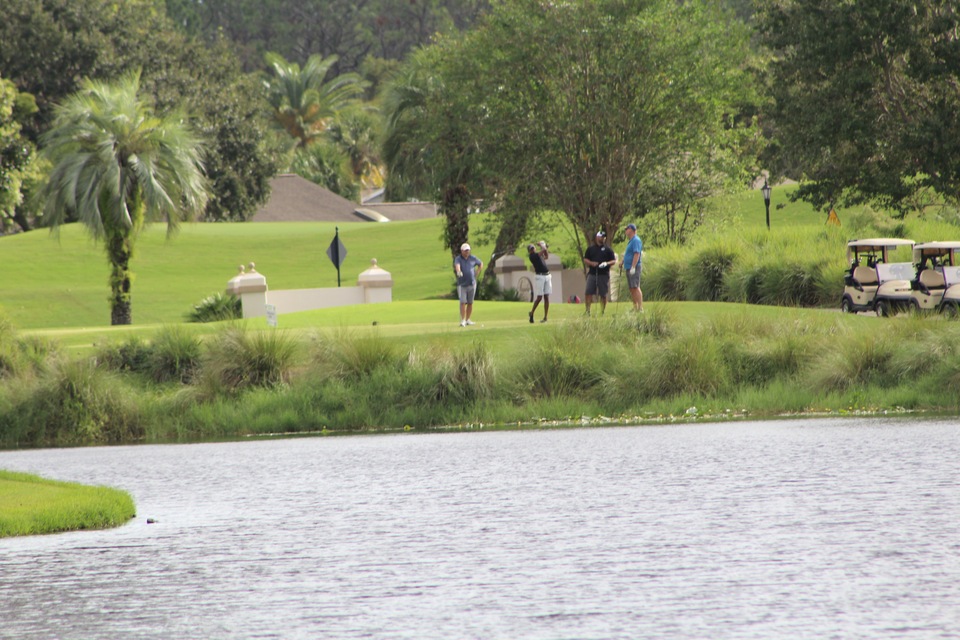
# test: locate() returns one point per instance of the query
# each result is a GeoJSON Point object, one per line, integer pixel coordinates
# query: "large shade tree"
{"type": "Point", "coordinates": [866, 97]}
{"type": "Point", "coordinates": [586, 107]}
{"type": "Point", "coordinates": [118, 165]}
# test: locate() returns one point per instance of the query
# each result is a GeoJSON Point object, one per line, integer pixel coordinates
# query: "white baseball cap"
{"type": "Point", "coordinates": [464, 247]}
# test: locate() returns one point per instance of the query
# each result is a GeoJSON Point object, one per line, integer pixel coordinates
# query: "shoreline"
{"type": "Point", "coordinates": [32, 505]}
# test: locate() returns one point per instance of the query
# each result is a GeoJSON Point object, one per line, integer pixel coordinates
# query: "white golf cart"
{"type": "Point", "coordinates": [934, 262]}
{"type": "Point", "coordinates": [937, 274]}
{"type": "Point", "coordinates": [871, 273]}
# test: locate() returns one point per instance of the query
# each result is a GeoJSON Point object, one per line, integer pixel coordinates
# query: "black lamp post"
{"type": "Point", "coordinates": [765, 190]}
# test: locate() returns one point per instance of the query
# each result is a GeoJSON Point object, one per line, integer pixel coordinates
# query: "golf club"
{"type": "Point", "coordinates": [619, 287]}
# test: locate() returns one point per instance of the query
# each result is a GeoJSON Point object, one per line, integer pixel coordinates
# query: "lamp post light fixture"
{"type": "Point", "coordinates": [765, 190]}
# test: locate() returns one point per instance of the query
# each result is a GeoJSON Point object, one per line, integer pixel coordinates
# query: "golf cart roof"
{"type": "Point", "coordinates": [878, 244]}
{"type": "Point", "coordinates": [875, 245]}
{"type": "Point", "coordinates": [925, 249]}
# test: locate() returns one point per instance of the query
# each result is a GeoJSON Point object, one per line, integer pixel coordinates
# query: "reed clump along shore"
{"type": "Point", "coordinates": [740, 322]}
{"type": "Point", "coordinates": [675, 361]}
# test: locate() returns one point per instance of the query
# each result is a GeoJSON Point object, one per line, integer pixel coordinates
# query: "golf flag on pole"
{"type": "Point", "coordinates": [337, 252]}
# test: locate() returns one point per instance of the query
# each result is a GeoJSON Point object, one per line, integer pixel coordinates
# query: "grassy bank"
{"type": "Point", "coordinates": [678, 361]}
{"type": "Point", "coordinates": [732, 329]}
{"type": "Point", "coordinates": [60, 282]}
{"type": "Point", "coordinates": [31, 505]}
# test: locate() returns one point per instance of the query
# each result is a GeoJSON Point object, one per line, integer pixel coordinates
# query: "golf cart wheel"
{"type": "Point", "coordinates": [951, 310]}
{"type": "Point", "coordinates": [846, 305]}
{"type": "Point", "coordinates": [914, 306]}
{"type": "Point", "coordinates": [883, 309]}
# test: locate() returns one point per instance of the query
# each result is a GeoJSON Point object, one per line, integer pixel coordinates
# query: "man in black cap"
{"type": "Point", "coordinates": [598, 258]}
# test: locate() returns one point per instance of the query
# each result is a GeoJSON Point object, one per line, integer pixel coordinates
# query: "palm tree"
{"type": "Point", "coordinates": [427, 148]}
{"type": "Point", "coordinates": [303, 104]}
{"type": "Point", "coordinates": [116, 166]}
{"type": "Point", "coordinates": [356, 131]}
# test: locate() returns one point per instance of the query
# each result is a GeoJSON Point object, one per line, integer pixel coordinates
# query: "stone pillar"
{"type": "Point", "coordinates": [556, 278]}
{"type": "Point", "coordinates": [251, 288]}
{"type": "Point", "coordinates": [508, 268]}
{"type": "Point", "coordinates": [377, 284]}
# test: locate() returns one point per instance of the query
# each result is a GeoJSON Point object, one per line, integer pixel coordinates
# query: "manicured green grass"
{"type": "Point", "coordinates": [32, 505]}
{"type": "Point", "coordinates": [59, 281]}
{"type": "Point", "coordinates": [52, 281]}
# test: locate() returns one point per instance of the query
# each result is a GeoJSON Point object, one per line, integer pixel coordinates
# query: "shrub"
{"type": "Point", "coordinates": [346, 356]}
{"type": "Point", "coordinates": [133, 354]}
{"type": "Point", "coordinates": [21, 355]}
{"type": "Point", "coordinates": [856, 360]}
{"type": "Point", "coordinates": [663, 274]}
{"type": "Point", "coordinates": [703, 277]}
{"type": "Point", "coordinates": [76, 403]}
{"type": "Point", "coordinates": [691, 363]}
{"type": "Point", "coordinates": [560, 368]}
{"type": "Point", "coordinates": [215, 308]}
{"type": "Point", "coordinates": [788, 283]}
{"type": "Point", "coordinates": [466, 376]}
{"type": "Point", "coordinates": [175, 355]}
{"type": "Point", "coordinates": [657, 321]}
{"type": "Point", "coordinates": [237, 358]}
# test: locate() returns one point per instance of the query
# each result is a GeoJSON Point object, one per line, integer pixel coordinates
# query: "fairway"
{"type": "Point", "coordinates": [60, 280]}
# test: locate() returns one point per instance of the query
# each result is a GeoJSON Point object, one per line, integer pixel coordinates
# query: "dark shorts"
{"type": "Point", "coordinates": [633, 281]}
{"type": "Point", "coordinates": [598, 285]}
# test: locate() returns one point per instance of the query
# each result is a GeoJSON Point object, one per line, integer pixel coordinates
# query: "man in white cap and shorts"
{"type": "Point", "coordinates": [466, 267]}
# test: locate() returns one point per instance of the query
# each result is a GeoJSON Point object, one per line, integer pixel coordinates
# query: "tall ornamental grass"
{"type": "Point", "coordinates": [75, 403]}
{"type": "Point", "coordinates": [735, 361]}
{"type": "Point", "coordinates": [238, 358]}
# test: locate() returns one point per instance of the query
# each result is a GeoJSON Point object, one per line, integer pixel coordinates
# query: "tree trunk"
{"type": "Point", "coordinates": [456, 207]}
{"type": "Point", "coordinates": [513, 226]}
{"type": "Point", "coordinates": [20, 217]}
{"type": "Point", "coordinates": [119, 252]}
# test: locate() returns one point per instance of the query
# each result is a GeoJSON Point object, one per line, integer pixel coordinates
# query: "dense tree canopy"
{"type": "Point", "coordinates": [18, 164]}
{"type": "Point", "coordinates": [867, 97]}
{"type": "Point", "coordinates": [48, 47]}
{"type": "Point", "coordinates": [348, 29]}
{"type": "Point", "coordinates": [587, 107]}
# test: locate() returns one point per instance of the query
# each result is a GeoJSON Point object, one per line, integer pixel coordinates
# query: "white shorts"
{"type": "Point", "coordinates": [542, 285]}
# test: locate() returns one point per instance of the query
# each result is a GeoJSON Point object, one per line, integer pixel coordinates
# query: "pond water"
{"type": "Point", "coordinates": [787, 529]}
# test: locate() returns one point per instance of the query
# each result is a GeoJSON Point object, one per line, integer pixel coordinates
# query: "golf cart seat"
{"type": "Point", "coordinates": [932, 280]}
{"type": "Point", "coordinates": [865, 276]}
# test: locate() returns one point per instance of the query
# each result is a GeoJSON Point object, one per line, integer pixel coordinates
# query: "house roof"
{"type": "Point", "coordinates": [296, 199]}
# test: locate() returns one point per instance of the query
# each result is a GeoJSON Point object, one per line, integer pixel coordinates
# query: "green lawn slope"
{"type": "Point", "coordinates": [60, 280]}
{"type": "Point", "coordinates": [32, 505]}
